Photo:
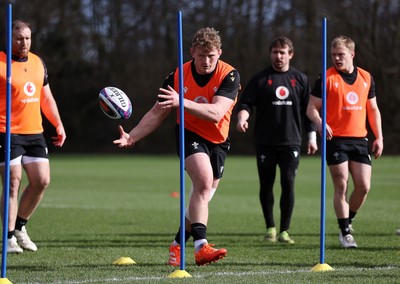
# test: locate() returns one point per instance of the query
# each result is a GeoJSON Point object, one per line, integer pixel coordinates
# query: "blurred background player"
{"type": "Point", "coordinates": [280, 94]}
{"type": "Point", "coordinates": [31, 95]}
{"type": "Point", "coordinates": [211, 88]}
{"type": "Point", "coordinates": [351, 100]}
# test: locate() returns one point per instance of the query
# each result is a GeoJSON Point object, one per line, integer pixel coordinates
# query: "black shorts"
{"type": "Point", "coordinates": [32, 145]}
{"type": "Point", "coordinates": [340, 150]}
{"type": "Point", "coordinates": [284, 156]}
{"type": "Point", "coordinates": [197, 144]}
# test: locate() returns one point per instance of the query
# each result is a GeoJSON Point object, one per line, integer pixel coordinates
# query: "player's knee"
{"type": "Point", "coordinates": [40, 183]}
{"type": "Point", "coordinates": [15, 183]}
{"type": "Point", "coordinates": [341, 191]}
{"type": "Point", "coordinates": [14, 188]}
{"type": "Point", "coordinates": [363, 190]}
{"type": "Point", "coordinates": [45, 182]}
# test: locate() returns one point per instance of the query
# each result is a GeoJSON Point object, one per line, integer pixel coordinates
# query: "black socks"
{"type": "Point", "coordinates": [199, 231]}
{"type": "Point", "coordinates": [19, 223]}
{"type": "Point", "coordinates": [178, 236]}
{"type": "Point", "coordinates": [344, 226]}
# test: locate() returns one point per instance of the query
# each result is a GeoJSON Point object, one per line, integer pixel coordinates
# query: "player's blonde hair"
{"type": "Point", "coordinates": [19, 24]}
{"type": "Point", "coordinates": [207, 38]}
{"type": "Point", "coordinates": [343, 40]}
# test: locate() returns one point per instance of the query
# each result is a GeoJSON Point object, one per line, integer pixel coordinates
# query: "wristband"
{"type": "Point", "coordinates": [312, 137]}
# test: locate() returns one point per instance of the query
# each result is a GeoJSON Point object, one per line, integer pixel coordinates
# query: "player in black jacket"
{"type": "Point", "coordinates": [280, 94]}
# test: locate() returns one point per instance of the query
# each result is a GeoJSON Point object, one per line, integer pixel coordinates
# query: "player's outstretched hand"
{"type": "Point", "coordinates": [125, 140]}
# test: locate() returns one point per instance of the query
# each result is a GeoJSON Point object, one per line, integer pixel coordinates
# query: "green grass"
{"type": "Point", "coordinates": [99, 208]}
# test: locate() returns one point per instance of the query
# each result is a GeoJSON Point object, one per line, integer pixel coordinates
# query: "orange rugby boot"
{"type": "Point", "coordinates": [208, 254]}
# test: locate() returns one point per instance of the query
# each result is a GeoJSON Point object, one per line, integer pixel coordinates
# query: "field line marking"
{"type": "Point", "coordinates": [202, 275]}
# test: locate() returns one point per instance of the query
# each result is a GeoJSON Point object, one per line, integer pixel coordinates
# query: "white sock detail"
{"type": "Point", "coordinates": [199, 243]}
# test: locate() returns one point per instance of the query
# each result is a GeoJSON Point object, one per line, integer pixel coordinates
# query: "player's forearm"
{"type": "Point", "coordinates": [243, 115]}
{"type": "Point", "coordinates": [209, 112]}
{"type": "Point", "coordinates": [314, 116]}
{"type": "Point", "coordinates": [375, 122]}
{"type": "Point", "coordinates": [50, 111]}
{"type": "Point", "coordinates": [148, 124]}
{"type": "Point", "coordinates": [213, 111]}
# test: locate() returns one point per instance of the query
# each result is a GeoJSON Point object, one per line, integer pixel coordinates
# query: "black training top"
{"type": "Point", "coordinates": [281, 100]}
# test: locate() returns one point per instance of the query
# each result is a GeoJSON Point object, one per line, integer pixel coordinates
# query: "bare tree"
{"type": "Point", "coordinates": [132, 44]}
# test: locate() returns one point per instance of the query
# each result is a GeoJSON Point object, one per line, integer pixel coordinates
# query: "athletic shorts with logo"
{"type": "Point", "coordinates": [197, 144]}
{"type": "Point", "coordinates": [32, 145]}
{"type": "Point", "coordinates": [340, 150]}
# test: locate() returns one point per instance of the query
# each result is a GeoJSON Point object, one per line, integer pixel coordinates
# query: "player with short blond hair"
{"type": "Point", "coordinates": [31, 96]}
{"type": "Point", "coordinates": [350, 103]}
{"type": "Point", "coordinates": [211, 88]}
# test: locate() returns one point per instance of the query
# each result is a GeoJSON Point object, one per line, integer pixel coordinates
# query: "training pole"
{"type": "Point", "coordinates": [6, 186]}
{"type": "Point", "coordinates": [181, 272]}
{"type": "Point", "coordinates": [322, 266]}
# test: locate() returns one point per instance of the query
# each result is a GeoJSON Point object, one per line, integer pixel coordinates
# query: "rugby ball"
{"type": "Point", "coordinates": [115, 103]}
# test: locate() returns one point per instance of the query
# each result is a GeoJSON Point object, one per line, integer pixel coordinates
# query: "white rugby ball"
{"type": "Point", "coordinates": [115, 103]}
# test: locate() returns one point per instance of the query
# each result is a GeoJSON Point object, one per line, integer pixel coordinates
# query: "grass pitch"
{"type": "Point", "coordinates": [100, 208]}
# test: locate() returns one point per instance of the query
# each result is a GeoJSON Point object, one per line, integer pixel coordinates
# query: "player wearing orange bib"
{"type": "Point", "coordinates": [215, 132]}
{"type": "Point", "coordinates": [347, 117]}
{"type": "Point", "coordinates": [30, 96]}
{"type": "Point", "coordinates": [350, 103]}
{"type": "Point", "coordinates": [210, 90]}
{"type": "Point", "coordinates": [26, 117]}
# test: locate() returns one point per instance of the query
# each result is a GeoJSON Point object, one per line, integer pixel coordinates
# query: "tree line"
{"type": "Point", "coordinates": [132, 44]}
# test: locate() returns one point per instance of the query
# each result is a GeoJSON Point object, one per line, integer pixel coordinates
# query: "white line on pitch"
{"type": "Point", "coordinates": [202, 275]}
